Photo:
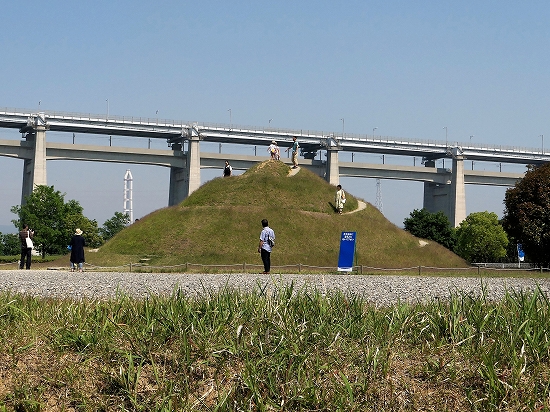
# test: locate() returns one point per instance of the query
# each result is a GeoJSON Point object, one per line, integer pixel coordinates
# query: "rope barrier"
{"type": "Point", "coordinates": [250, 267]}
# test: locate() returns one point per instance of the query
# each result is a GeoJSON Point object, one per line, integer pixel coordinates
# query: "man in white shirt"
{"type": "Point", "coordinates": [267, 241]}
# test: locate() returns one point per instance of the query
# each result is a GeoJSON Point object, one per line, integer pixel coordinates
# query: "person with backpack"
{"type": "Point", "coordinates": [273, 150]}
{"type": "Point", "coordinates": [267, 242]}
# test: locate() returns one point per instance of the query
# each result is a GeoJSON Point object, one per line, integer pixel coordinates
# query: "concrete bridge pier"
{"type": "Point", "coordinates": [34, 169]}
{"type": "Point", "coordinates": [193, 163]}
{"type": "Point", "coordinates": [436, 195]}
{"type": "Point", "coordinates": [184, 181]}
{"type": "Point", "coordinates": [458, 190]}
{"type": "Point", "coordinates": [449, 197]}
{"type": "Point", "coordinates": [179, 181]}
{"type": "Point", "coordinates": [332, 173]}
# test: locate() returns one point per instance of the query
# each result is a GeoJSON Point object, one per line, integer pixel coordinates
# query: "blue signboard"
{"type": "Point", "coordinates": [347, 252]}
{"type": "Point", "coordinates": [521, 253]}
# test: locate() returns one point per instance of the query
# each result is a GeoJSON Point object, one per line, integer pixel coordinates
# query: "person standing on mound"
{"type": "Point", "coordinates": [267, 241]}
{"type": "Point", "coordinates": [77, 250]}
{"type": "Point", "coordinates": [294, 148]}
{"type": "Point", "coordinates": [274, 151]}
{"type": "Point", "coordinates": [227, 170]}
{"type": "Point", "coordinates": [340, 199]}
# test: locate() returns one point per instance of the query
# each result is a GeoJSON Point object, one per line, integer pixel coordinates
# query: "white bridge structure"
{"type": "Point", "coordinates": [444, 188]}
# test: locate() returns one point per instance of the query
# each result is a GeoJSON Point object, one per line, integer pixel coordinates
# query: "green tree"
{"type": "Point", "coordinates": [9, 244]}
{"type": "Point", "coordinates": [527, 213]}
{"type": "Point", "coordinates": [114, 225]}
{"type": "Point", "coordinates": [73, 219]}
{"type": "Point", "coordinates": [432, 226]}
{"type": "Point", "coordinates": [53, 220]}
{"type": "Point", "coordinates": [481, 238]}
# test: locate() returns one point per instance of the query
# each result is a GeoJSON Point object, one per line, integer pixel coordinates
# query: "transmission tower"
{"type": "Point", "coordinates": [378, 204]}
{"type": "Point", "coordinates": [128, 208]}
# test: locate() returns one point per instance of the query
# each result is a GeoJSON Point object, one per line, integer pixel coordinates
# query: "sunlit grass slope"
{"type": "Point", "coordinates": [220, 224]}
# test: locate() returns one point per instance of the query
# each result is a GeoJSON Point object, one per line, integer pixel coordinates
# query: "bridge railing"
{"type": "Point", "coordinates": [59, 115]}
{"type": "Point", "coordinates": [347, 137]}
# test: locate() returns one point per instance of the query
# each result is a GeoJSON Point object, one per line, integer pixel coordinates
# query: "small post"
{"type": "Point", "coordinates": [130, 266]}
{"type": "Point", "coordinates": [244, 267]}
{"type": "Point", "coordinates": [361, 269]}
{"type": "Point", "coordinates": [299, 267]}
{"type": "Point", "coordinates": [419, 270]}
{"type": "Point", "coordinates": [187, 266]}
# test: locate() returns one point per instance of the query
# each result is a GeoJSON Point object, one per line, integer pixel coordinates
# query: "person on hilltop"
{"type": "Point", "coordinates": [274, 151]}
{"type": "Point", "coordinates": [26, 250]}
{"type": "Point", "coordinates": [294, 148]}
{"type": "Point", "coordinates": [340, 199]}
{"type": "Point", "coordinates": [267, 241]}
{"type": "Point", "coordinates": [77, 250]}
{"type": "Point", "coordinates": [227, 170]}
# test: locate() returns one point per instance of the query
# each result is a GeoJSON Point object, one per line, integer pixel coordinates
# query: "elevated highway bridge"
{"type": "Point", "coordinates": [443, 188]}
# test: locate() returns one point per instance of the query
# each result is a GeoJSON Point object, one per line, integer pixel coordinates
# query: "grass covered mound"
{"type": "Point", "coordinates": [220, 224]}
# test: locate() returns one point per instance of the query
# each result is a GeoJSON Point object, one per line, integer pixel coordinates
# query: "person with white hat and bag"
{"type": "Point", "coordinates": [77, 250]}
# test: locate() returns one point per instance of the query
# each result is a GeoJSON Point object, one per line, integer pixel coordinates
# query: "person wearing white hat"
{"type": "Point", "coordinates": [274, 151]}
{"type": "Point", "coordinates": [77, 250]}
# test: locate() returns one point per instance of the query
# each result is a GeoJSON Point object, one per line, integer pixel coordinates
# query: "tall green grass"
{"type": "Point", "coordinates": [281, 350]}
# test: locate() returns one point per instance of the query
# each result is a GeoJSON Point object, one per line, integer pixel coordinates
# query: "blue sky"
{"type": "Point", "coordinates": [409, 69]}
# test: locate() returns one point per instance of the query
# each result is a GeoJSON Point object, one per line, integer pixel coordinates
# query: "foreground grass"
{"type": "Point", "coordinates": [290, 350]}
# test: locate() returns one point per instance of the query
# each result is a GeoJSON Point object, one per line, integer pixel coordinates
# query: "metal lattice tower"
{"type": "Point", "coordinates": [378, 204]}
{"type": "Point", "coordinates": [128, 207]}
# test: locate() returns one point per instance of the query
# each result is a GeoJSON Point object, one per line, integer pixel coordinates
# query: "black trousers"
{"type": "Point", "coordinates": [25, 254]}
{"type": "Point", "coordinates": [266, 258]}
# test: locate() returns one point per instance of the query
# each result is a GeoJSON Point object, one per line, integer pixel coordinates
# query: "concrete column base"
{"type": "Point", "coordinates": [179, 184]}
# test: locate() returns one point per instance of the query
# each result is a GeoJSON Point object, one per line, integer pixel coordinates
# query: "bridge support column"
{"type": "Point", "coordinates": [436, 195]}
{"type": "Point", "coordinates": [34, 169]}
{"type": "Point", "coordinates": [458, 191]}
{"type": "Point", "coordinates": [448, 198]}
{"type": "Point", "coordinates": [184, 181]}
{"type": "Point", "coordinates": [193, 164]}
{"type": "Point", "coordinates": [333, 170]}
{"type": "Point", "coordinates": [177, 191]}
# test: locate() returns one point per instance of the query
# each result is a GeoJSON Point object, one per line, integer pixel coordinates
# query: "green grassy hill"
{"type": "Point", "coordinates": [220, 224]}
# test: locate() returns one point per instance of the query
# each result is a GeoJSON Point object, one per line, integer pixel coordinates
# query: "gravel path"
{"type": "Point", "coordinates": [380, 290]}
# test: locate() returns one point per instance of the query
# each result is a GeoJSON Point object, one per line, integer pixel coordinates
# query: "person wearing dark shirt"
{"type": "Point", "coordinates": [227, 170]}
{"type": "Point", "coordinates": [77, 250]}
{"type": "Point", "coordinates": [25, 250]}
